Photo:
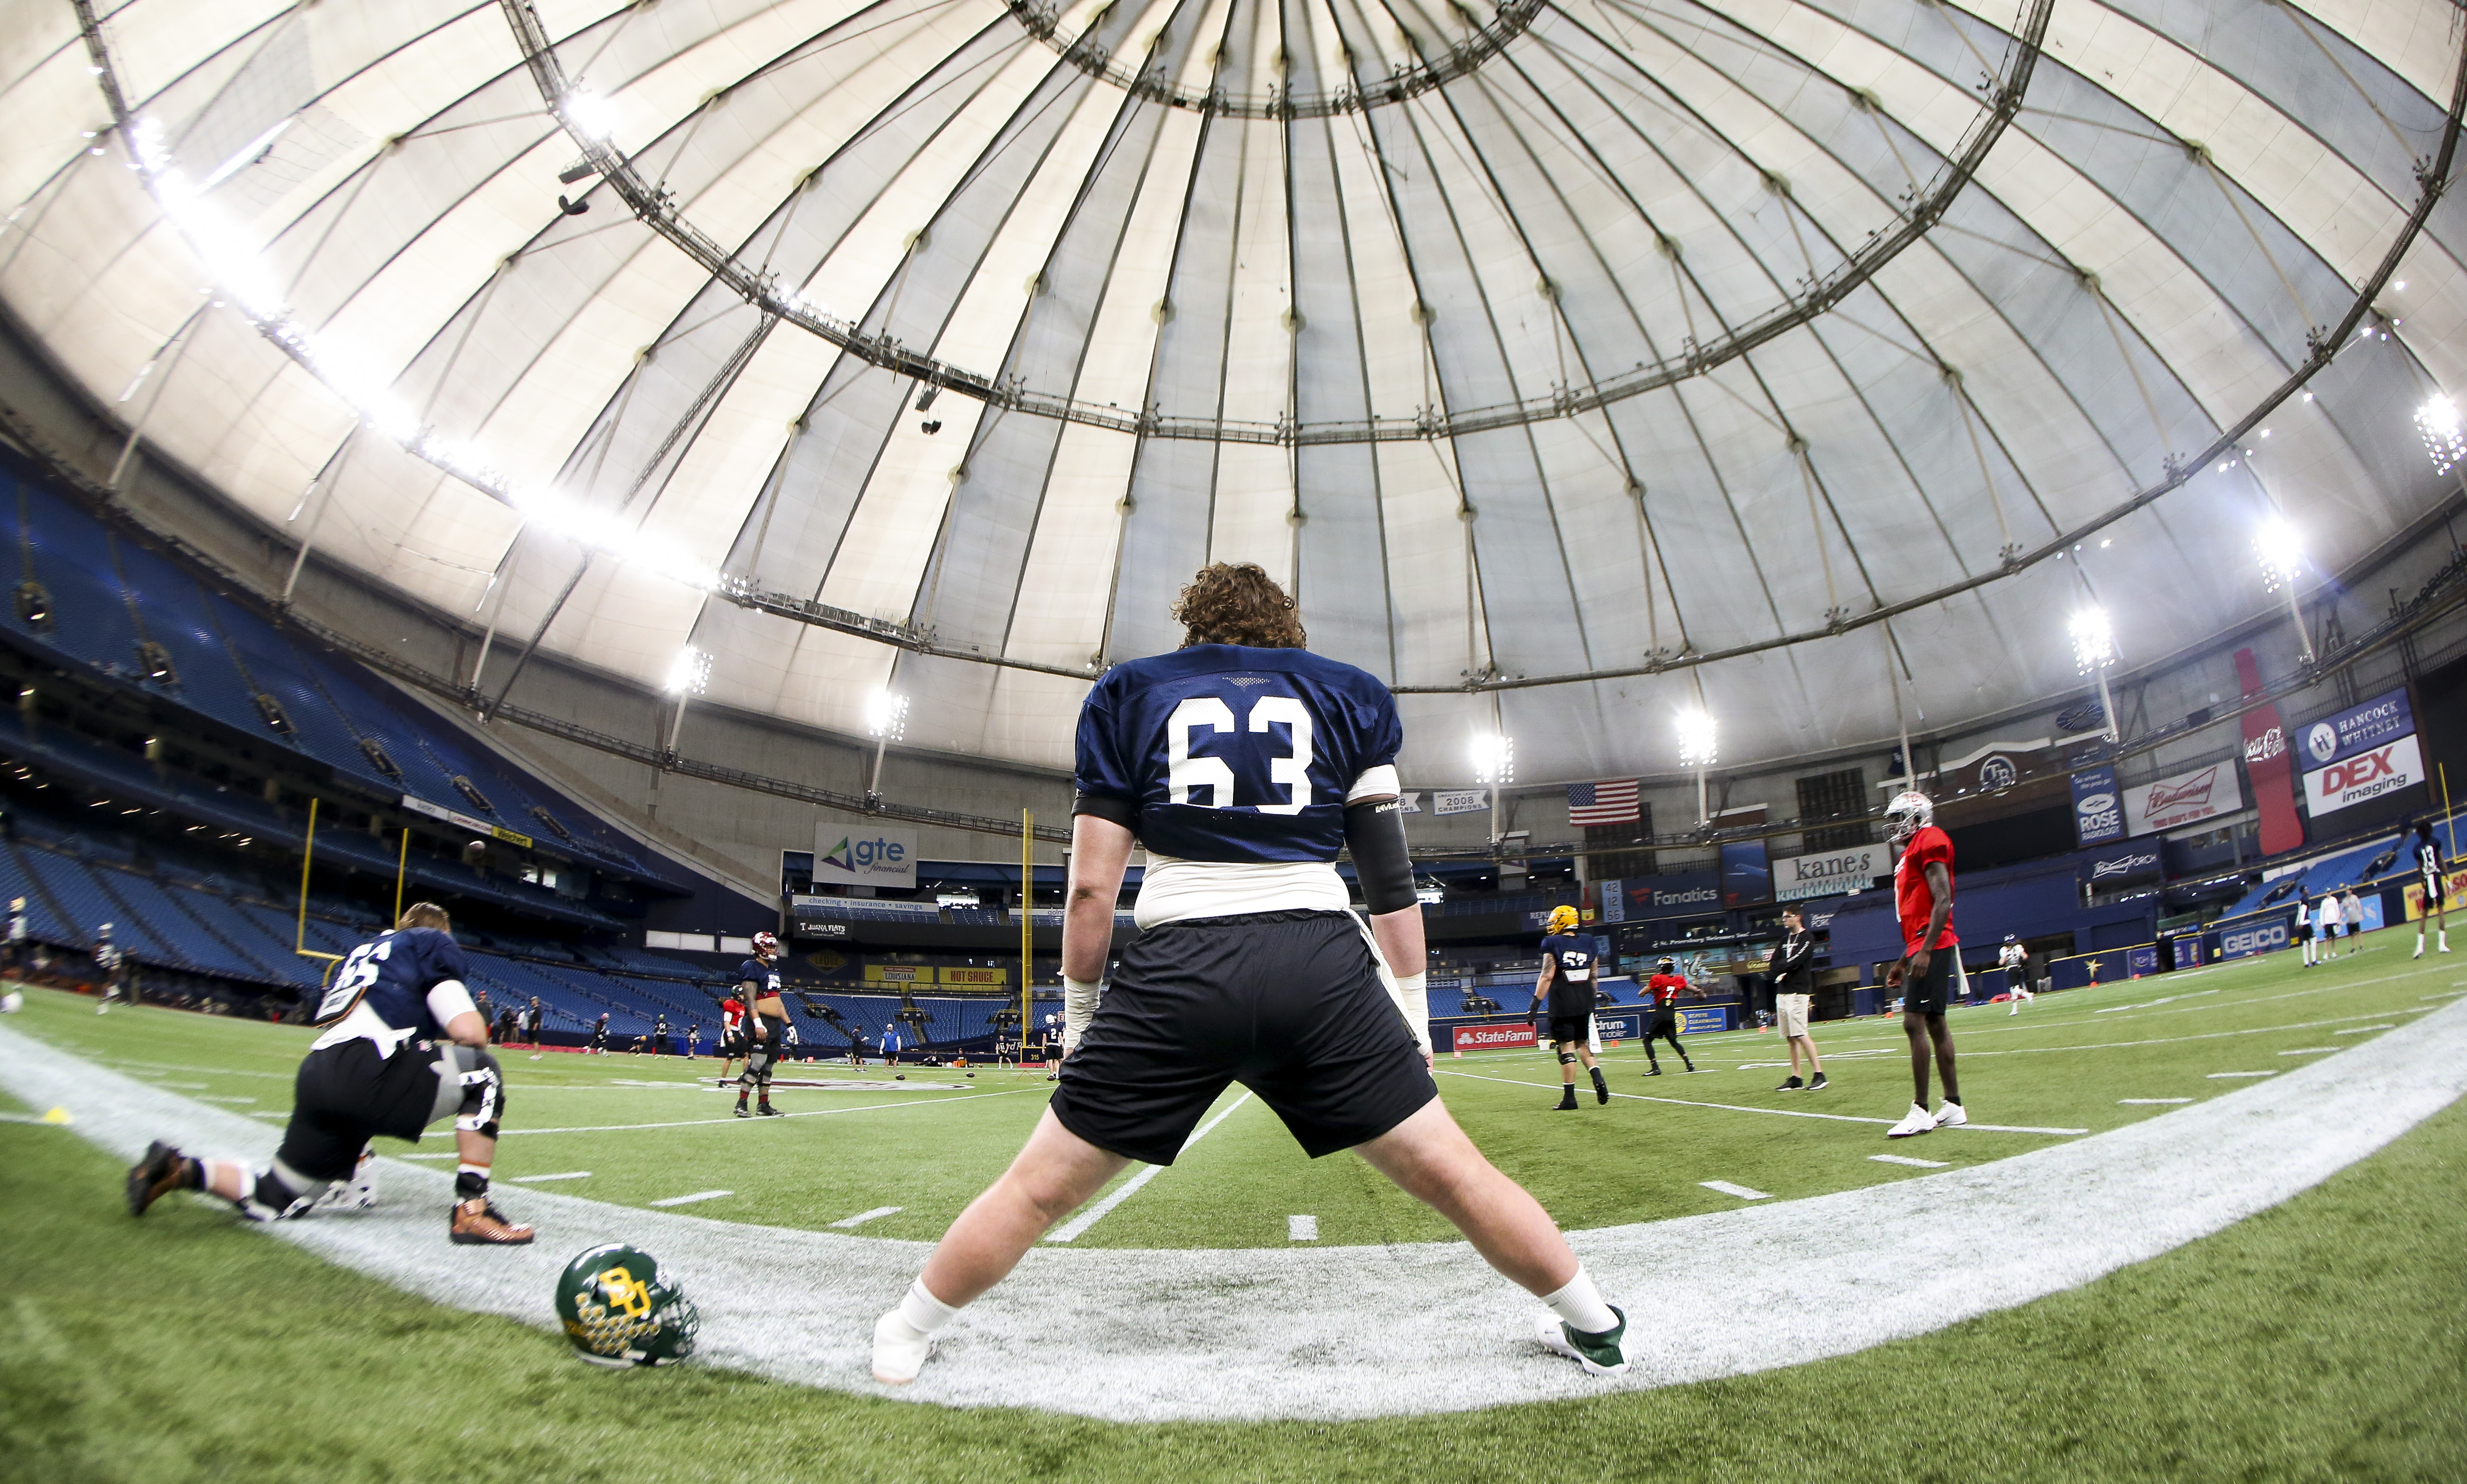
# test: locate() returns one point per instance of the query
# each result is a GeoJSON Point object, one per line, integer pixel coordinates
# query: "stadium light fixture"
{"type": "Point", "coordinates": [2444, 436]}
{"type": "Point", "coordinates": [886, 720]}
{"type": "Point", "coordinates": [689, 673]}
{"type": "Point", "coordinates": [2282, 556]}
{"type": "Point", "coordinates": [588, 114]}
{"type": "Point", "coordinates": [1494, 758]}
{"type": "Point", "coordinates": [2093, 638]}
{"type": "Point", "coordinates": [1697, 751]}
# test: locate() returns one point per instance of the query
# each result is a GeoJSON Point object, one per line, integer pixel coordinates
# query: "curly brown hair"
{"type": "Point", "coordinates": [1231, 604]}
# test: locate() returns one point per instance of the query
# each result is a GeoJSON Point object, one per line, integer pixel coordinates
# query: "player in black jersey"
{"type": "Point", "coordinates": [1571, 963]}
{"type": "Point", "coordinates": [766, 1024]}
{"type": "Point", "coordinates": [2434, 873]}
{"type": "Point", "coordinates": [1244, 763]}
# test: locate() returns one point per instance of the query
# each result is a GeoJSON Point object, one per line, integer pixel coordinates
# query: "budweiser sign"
{"type": "Point", "coordinates": [2184, 798]}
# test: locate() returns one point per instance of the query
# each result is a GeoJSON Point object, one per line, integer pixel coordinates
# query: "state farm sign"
{"type": "Point", "coordinates": [2385, 769]}
{"type": "Point", "coordinates": [1492, 1038]}
{"type": "Point", "coordinates": [2168, 802]}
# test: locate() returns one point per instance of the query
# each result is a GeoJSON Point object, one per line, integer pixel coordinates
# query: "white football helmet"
{"type": "Point", "coordinates": [1906, 814]}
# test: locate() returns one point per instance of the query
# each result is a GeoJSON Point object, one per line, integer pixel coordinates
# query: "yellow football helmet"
{"type": "Point", "coordinates": [1563, 919]}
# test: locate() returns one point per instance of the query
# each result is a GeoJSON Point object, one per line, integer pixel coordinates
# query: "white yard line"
{"type": "Point", "coordinates": [850, 1222]}
{"type": "Point", "coordinates": [1740, 1191]}
{"type": "Point", "coordinates": [1916, 1164]}
{"type": "Point", "coordinates": [699, 1195]}
{"type": "Point", "coordinates": [2363, 1031]}
{"type": "Point", "coordinates": [2149, 1102]}
{"type": "Point", "coordinates": [2310, 1051]}
{"type": "Point", "coordinates": [1078, 1226]}
{"type": "Point", "coordinates": [2221, 1076]}
{"type": "Point", "coordinates": [1777, 1113]}
{"type": "Point", "coordinates": [1075, 1330]}
{"type": "Point", "coordinates": [541, 1179]}
{"type": "Point", "coordinates": [817, 1112]}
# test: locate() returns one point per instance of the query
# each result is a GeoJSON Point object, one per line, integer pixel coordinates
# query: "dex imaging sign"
{"type": "Point", "coordinates": [866, 857]}
{"type": "Point", "coordinates": [2360, 753]}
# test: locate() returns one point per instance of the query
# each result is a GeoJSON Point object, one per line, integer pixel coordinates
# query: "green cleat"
{"type": "Point", "coordinates": [1599, 1354]}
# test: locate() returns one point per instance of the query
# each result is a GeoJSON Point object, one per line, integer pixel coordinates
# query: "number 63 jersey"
{"type": "Point", "coordinates": [1228, 754]}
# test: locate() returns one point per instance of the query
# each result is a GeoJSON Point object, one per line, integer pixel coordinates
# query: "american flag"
{"type": "Point", "coordinates": [1602, 803]}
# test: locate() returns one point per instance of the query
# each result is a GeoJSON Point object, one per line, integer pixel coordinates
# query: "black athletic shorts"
{"type": "Point", "coordinates": [1288, 1004]}
{"type": "Point", "coordinates": [1927, 993]}
{"type": "Point", "coordinates": [2434, 888]}
{"type": "Point", "coordinates": [2305, 931]}
{"type": "Point", "coordinates": [1664, 1022]}
{"type": "Point", "coordinates": [343, 1095]}
{"type": "Point", "coordinates": [1568, 1029]}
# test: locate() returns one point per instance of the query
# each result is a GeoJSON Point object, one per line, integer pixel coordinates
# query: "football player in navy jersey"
{"type": "Point", "coordinates": [403, 1046]}
{"type": "Point", "coordinates": [2434, 874]}
{"type": "Point", "coordinates": [1568, 961]}
{"type": "Point", "coordinates": [767, 1026]}
{"type": "Point", "coordinates": [1244, 763]}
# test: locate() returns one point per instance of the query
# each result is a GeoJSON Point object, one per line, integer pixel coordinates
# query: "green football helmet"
{"type": "Point", "coordinates": [619, 1309]}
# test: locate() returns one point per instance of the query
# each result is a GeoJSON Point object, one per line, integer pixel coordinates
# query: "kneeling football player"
{"type": "Point", "coordinates": [403, 1046]}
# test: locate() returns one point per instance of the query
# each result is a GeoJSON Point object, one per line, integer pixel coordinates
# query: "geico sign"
{"type": "Point", "coordinates": [2244, 941]}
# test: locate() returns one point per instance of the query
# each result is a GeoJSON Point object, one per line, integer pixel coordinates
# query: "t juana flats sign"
{"type": "Point", "coordinates": [1834, 873]}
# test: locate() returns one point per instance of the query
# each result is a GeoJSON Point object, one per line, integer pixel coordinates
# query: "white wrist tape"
{"type": "Point", "coordinates": [1412, 996]}
{"type": "Point", "coordinates": [1078, 1008]}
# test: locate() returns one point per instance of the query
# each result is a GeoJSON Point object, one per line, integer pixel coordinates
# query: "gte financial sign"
{"type": "Point", "coordinates": [866, 857]}
{"type": "Point", "coordinates": [2360, 753]}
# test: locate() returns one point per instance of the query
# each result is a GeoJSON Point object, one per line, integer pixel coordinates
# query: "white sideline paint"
{"type": "Point", "coordinates": [1776, 1112]}
{"type": "Point", "coordinates": [2149, 1102]}
{"type": "Point", "coordinates": [1078, 1226]}
{"type": "Point", "coordinates": [1916, 1164]}
{"type": "Point", "coordinates": [1296, 1331]}
{"type": "Point", "coordinates": [814, 1112]}
{"type": "Point", "coordinates": [1301, 1228]}
{"type": "Point", "coordinates": [2218, 1076]}
{"type": "Point", "coordinates": [210, 1097]}
{"type": "Point", "coordinates": [2309, 1051]}
{"type": "Point", "coordinates": [2363, 1029]}
{"type": "Point", "coordinates": [850, 1222]}
{"type": "Point", "coordinates": [1740, 1191]}
{"type": "Point", "coordinates": [699, 1195]}
{"type": "Point", "coordinates": [541, 1179]}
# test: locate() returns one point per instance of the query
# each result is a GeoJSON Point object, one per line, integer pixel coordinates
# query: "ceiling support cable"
{"type": "Point", "coordinates": [2009, 549]}
{"type": "Point", "coordinates": [2107, 315]}
{"type": "Point", "coordinates": [322, 490]}
{"type": "Point", "coordinates": [2209, 169]}
{"type": "Point", "coordinates": [177, 346]}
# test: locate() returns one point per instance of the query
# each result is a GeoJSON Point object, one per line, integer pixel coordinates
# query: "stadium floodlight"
{"type": "Point", "coordinates": [1494, 758]}
{"type": "Point", "coordinates": [2282, 556]}
{"type": "Point", "coordinates": [2445, 435]}
{"type": "Point", "coordinates": [2093, 639]}
{"type": "Point", "coordinates": [588, 114]}
{"type": "Point", "coordinates": [1697, 751]}
{"type": "Point", "coordinates": [689, 673]}
{"type": "Point", "coordinates": [886, 715]}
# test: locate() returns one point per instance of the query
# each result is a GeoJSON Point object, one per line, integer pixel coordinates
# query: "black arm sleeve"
{"type": "Point", "coordinates": [1375, 831]}
{"type": "Point", "coordinates": [1105, 806]}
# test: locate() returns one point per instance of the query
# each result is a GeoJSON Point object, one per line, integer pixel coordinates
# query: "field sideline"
{"type": "Point", "coordinates": [2240, 1383]}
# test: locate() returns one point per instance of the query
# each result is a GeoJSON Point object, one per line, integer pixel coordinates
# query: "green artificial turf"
{"type": "Point", "coordinates": [2326, 1338]}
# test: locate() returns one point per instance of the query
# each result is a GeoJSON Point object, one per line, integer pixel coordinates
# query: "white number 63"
{"type": "Point", "coordinates": [1185, 773]}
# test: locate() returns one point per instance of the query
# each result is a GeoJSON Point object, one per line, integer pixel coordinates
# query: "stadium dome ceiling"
{"type": "Point", "coordinates": [1655, 344]}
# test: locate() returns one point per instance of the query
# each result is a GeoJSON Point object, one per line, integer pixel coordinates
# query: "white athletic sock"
{"type": "Point", "coordinates": [920, 1311]}
{"type": "Point", "coordinates": [1581, 1305]}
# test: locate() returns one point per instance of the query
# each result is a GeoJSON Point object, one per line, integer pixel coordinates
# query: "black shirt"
{"type": "Point", "coordinates": [1793, 969]}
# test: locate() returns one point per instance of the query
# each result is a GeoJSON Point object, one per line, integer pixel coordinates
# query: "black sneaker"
{"type": "Point", "coordinates": [1792, 1086]}
{"type": "Point", "coordinates": [163, 1170]}
{"type": "Point", "coordinates": [1654, 1072]}
{"type": "Point", "coordinates": [1565, 1104]}
{"type": "Point", "coordinates": [1599, 1354]}
{"type": "Point", "coordinates": [1818, 1083]}
{"type": "Point", "coordinates": [741, 1113]}
{"type": "Point", "coordinates": [1602, 1087]}
{"type": "Point", "coordinates": [766, 1110]}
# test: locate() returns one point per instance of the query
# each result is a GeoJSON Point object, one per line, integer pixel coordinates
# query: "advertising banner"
{"type": "Point", "coordinates": [2363, 727]}
{"type": "Point", "coordinates": [2258, 936]}
{"type": "Point", "coordinates": [2266, 760]}
{"type": "Point", "coordinates": [2451, 886]}
{"type": "Point", "coordinates": [1681, 895]}
{"type": "Point", "coordinates": [461, 820]}
{"type": "Point", "coordinates": [1834, 873]}
{"type": "Point", "coordinates": [1703, 1019]}
{"type": "Point", "coordinates": [2359, 777]}
{"type": "Point", "coordinates": [868, 857]}
{"type": "Point", "coordinates": [1615, 1028]}
{"type": "Point", "coordinates": [1493, 1038]}
{"type": "Point", "coordinates": [2203, 793]}
{"type": "Point", "coordinates": [2099, 816]}
{"type": "Point", "coordinates": [1460, 800]}
{"type": "Point", "coordinates": [2104, 871]}
{"type": "Point", "coordinates": [2185, 952]}
{"type": "Point", "coordinates": [997, 979]}
{"type": "Point", "coordinates": [1747, 878]}
{"type": "Point", "coordinates": [2141, 961]}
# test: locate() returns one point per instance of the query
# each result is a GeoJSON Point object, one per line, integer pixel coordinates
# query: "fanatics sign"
{"type": "Point", "coordinates": [1835, 874]}
{"type": "Point", "coordinates": [2364, 775]}
{"type": "Point", "coordinates": [2182, 799]}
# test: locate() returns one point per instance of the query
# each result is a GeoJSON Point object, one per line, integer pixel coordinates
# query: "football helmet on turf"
{"type": "Point", "coordinates": [619, 1307]}
{"type": "Point", "coordinates": [1906, 814]}
{"type": "Point", "coordinates": [1563, 919]}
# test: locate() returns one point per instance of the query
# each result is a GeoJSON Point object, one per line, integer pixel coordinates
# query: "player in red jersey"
{"type": "Point", "coordinates": [1931, 956]}
{"type": "Point", "coordinates": [732, 1033]}
{"type": "Point", "coordinates": [1663, 1022]}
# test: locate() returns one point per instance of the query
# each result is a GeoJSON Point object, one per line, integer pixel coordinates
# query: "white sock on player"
{"type": "Point", "coordinates": [920, 1311]}
{"type": "Point", "coordinates": [1581, 1305]}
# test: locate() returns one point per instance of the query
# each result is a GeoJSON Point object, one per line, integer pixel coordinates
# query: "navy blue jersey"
{"type": "Point", "coordinates": [394, 974]}
{"type": "Point", "coordinates": [1579, 955]}
{"type": "Point", "coordinates": [764, 978]}
{"type": "Point", "coordinates": [1226, 752]}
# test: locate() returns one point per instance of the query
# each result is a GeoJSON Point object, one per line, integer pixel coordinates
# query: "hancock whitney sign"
{"type": "Point", "coordinates": [1831, 875]}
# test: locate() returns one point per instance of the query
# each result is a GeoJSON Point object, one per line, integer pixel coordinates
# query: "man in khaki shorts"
{"type": "Point", "coordinates": [1794, 981]}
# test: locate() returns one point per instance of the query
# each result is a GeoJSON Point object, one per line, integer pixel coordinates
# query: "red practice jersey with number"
{"type": "Point", "coordinates": [1664, 987]}
{"type": "Point", "coordinates": [1911, 893]}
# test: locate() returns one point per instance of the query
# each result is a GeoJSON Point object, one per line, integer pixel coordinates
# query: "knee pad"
{"type": "Point", "coordinates": [1566, 1058]}
{"type": "Point", "coordinates": [481, 1084]}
